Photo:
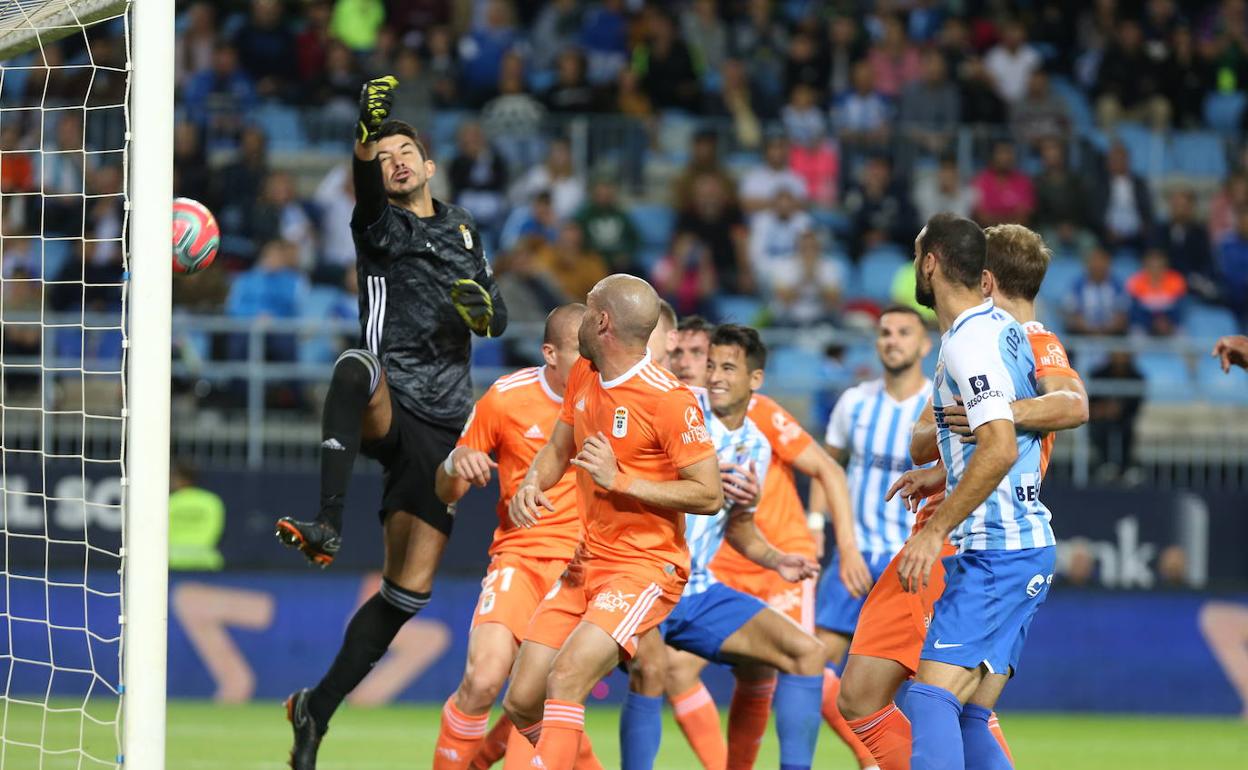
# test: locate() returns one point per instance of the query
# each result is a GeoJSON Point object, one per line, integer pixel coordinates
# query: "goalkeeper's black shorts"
{"type": "Point", "coordinates": [410, 454]}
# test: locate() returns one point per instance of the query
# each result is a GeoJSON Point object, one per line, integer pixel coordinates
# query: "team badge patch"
{"type": "Point", "coordinates": [463, 230]}
{"type": "Point", "coordinates": [619, 426]}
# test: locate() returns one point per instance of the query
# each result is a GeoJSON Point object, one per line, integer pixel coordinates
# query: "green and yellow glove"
{"type": "Point", "coordinates": [474, 305]}
{"type": "Point", "coordinates": [376, 98]}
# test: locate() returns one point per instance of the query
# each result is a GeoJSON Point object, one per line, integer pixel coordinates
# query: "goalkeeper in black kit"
{"type": "Point", "coordinates": [401, 398]}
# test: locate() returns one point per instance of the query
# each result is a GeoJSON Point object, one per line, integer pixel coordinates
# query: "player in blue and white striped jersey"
{"type": "Point", "coordinates": [992, 512]}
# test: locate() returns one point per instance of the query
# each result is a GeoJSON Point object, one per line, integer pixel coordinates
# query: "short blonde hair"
{"type": "Point", "coordinates": [1018, 259]}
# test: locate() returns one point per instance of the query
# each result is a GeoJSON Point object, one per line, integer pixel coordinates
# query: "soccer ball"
{"type": "Point", "coordinates": [196, 236]}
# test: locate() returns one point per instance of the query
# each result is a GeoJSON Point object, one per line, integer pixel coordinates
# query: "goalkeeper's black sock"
{"type": "Point", "coordinates": [369, 634]}
{"type": "Point", "coordinates": [356, 376]}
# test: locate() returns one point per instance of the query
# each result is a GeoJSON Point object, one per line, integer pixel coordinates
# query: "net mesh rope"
{"type": "Point", "coordinates": [64, 88]}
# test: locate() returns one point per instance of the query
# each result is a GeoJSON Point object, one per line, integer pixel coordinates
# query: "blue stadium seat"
{"type": "Point", "coordinates": [834, 220]}
{"type": "Point", "coordinates": [676, 130]}
{"type": "Point", "coordinates": [1166, 376]}
{"type": "Point", "coordinates": [55, 254]}
{"type": "Point", "coordinates": [654, 224]}
{"type": "Point", "coordinates": [1225, 388]}
{"type": "Point", "coordinates": [1197, 154]}
{"type": "Point", "coordinates": [792, 368]}
{"type": "Point", "coordinates": [1126, 263]}
{"type": "Point", "coordinates": [1223, 112]}
{"type": "Point", "coordinates": [281, 125]}
{"type": "Point", "coordinates": [876, 270]}
{"type": "Point", "coordinates": [541, 80]}
{"type": "Point", "coordinates": [1076, 102]}
{"type": "Point", "coordinates": [733, 308]}
{"type": "Point", "coordinates": [510, 233]}
{"type": "Point", "coordinates": [445, 124]}
{"type": "Point", "coordinates": [1208, 321]}
{"type": "Point", "coordinates": [648, 257]}
{"type": "Point", "coordinates": [1063, 271]}
{"type": "Point", "coordinates": [1146, 148]}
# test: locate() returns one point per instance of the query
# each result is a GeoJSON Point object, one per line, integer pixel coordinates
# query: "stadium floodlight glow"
{"type": "Point", "coordinates": [83, 620]}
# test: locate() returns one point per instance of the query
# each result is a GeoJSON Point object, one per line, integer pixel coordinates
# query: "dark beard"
{"type": "Point", "coordinates": [924, 294]}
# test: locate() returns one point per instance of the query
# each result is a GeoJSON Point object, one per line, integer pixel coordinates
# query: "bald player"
{"type": "Point", "coordinates": [644, 458]}
{"type": "Point", "coordinates": [511, 422]}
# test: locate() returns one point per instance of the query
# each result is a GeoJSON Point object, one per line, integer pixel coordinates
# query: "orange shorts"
{"type": "Point", "coordinates": [624, 601]}
{"type": "Point", "coordinates": [893, 623]}
{"type": "Point", "coordinates": [795, 601]}
{"type": "Point", "coordinates": [513, 587]}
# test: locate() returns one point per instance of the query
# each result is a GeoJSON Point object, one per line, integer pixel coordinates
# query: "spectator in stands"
{"type": "Point", "coordinates": [274, 288]}
{"type": "Point", "coordinates": [1041, 115]}
{"type": "Point", "coordinates": [762, 45]}
{"type": "Point", "coordinates": [930, 107]}
{"type": "Point", "coordinates": [861, 115]}
{"type": "Point", "coordinates": [1225, 202]}
{"type": "Point", "coordinates": [1112, 422]}
{"type": "Point", "coordinates": [733, 100]}
{"type": "Point", "coordinates": [1011, 62]}
{"type": "Point", "coordinates": [1187, 79]}
{"type": "Point", "coordinates": [846, 48]}
{"type": "Point", "coordinates": [197, 37]}
{"type": "Point", "coordinates": [573, 267]}
{"type": "Point", "coordinates": [481, 52]}
{"type": "Point", "coordinates": [980, 103]}
{"type": "Point", "coordinates": [1123, 202]}
{"type": "Point", "coordinates": [1157, 296]}
{"type": "Point", "coordinates": [572, 91]}
{"type": "Point", "coordinates": [335, 201]}
{"type": "Point", "coordinates": [196, 522]}
{"type": "Point", "coordinates": [1233, 266]}
{"type": "Point", "coordinates": [192, 178]}
{"type": "Point", "coordinates": [218, 99]}
{"type": "Point", "coordinates": [805, 285]}
{"type": "Point", "coordinates": [604, 33]}
{"type": "Point", "coordinates": [1062, 198]}
{"type": "Point", "coordinates": [23, 249]}
{"type": "Point", "coordinates": [715, 219]}
{"type": "Point", "coordinates": [686, 276]}
{"type": "Point", "coordinates": [23, 301]}
{"type": "Point", "coordinates": [554, 33]}
{"type": "Point", "coordinates": [356, 23]}
{"type": "Point", "coordinates": [17, 168]}
{"type": "Point", "coordinates": [266, 49]}
{"type": "Point", "coordinates": [338, 90]}
{"type": "Point", "coordinates": [529, 291]}
{"type": "Point", "coordinates": [894, 60]}
{"type": "Point", "coordinates": [706, 35]}
{"type": "Point", "coordinates": [312, 42]}
{"type": "Point", "coordinates": [237, 186]}
{"type": "Point", "coordinates": [1130, 82]}
{"type": "Point", "coordinates": [662, 62]}
{"type": "Point", "coordinates": [879, 209]}
{"type": "Point", "coordinates": [763, 182]}
{"type": "Point", "coordinates": [1003, 192]}
{"type": "Point", "coordinates": [541, 221]}
{"type": "Point", "coordinates": [478, 178]}
{"type": "Point", "coordinates": [609, 231]}
{"type": "Point", "coordinates": [943, 191]}
{"type": "Point", "coordinates": [1186, 242]}
{"type": "Point", "coordinates": [443, 65]}
{"type": "Point", "coordinates": [557, 177]}
{"type": "Point", "coordinates": [1097, 303]}
{"type": "Point", "coordinates": [414, 95]}
{"type": "Point", "coordinates": [703, 161]}
{"type": "Point", "coordinates": [804, 121]}
{"type": "Point", "coordinates": [279, 214]}
{"type": "Point", "coordinates": [513, 119]}
{"type": "Point", "coordinates": [62, 178]}
{"type": "Point", "coordinates": [812, 155]}
{"type": "Point", "coordinates": [953, 42]}
{"type": "Point", "coordinates": [806, 64]}
{"type": "Point", "coordinates": [774, 231]}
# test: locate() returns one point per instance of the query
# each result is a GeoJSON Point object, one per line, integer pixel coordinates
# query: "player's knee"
{"type": "Point", "coordinates": [357, 370]}
{"type": "Point", "coordinates": [647, 675]}
{"type": "Point", "coordinates": [481, 685]}
{"type": "Point", "coordinates": [806, 654]}
{"type": "Point", "coordinates": [521, 708]}
{"type": "Point", "coordinates": [855, 701]}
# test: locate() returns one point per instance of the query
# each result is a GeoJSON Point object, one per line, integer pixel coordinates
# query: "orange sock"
{"type": "Point", "coordinates": [994, 727]}
{"type": "Point", "coordinates": [519, 754]}
{"type": "Point", "coordinates": [832, 715]}
{"type": "Point", "coordinates": [747, 721]}
{"type": "Point", "coordinates": [563, 724]}
{"type": "Point", "coordinates": [494, 745]}
{"type": "Point", "coordinates": [586, 759]}
{"type": "Point", "coordinates": [698, 718]}
{"type": "Point", "coordinates": [886, 734]}
{"type": "Point", "coordinates": [459, 738]}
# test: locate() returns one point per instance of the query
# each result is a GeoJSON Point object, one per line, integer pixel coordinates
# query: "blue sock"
{"type": "Point", "coordinates": [641, 730]}
{"type": "Point", "coordinates": [934, 713]}
{"type": "Point", "coordinates": [797, 704]}
{"type": "Point", "coordinates": [979, 744]}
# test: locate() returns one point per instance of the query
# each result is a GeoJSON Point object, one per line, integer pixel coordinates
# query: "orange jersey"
{"type": "Point", "coordinates": [655, 428]}
{"type": "Point", "coordinates": [512, 421]}
{"type": "Point", "coordinates": [780, 516]}
{"type": "Point", "coordinates": [1051, 361]}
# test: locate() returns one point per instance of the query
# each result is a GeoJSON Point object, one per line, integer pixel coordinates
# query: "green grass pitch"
{"type": "Point", "coordinates": [206, 736]}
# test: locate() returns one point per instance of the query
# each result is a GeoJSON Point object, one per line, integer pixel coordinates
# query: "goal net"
{"type": "Point", "coordinates": [68, 235]}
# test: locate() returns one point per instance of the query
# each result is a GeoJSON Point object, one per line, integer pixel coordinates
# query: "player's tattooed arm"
{"type": "Point", "coordinates": [923, 446]}
{"type": "Point", "coordinates": [831, 490]}
{"type": "Point", "coordinates": [525, 508]}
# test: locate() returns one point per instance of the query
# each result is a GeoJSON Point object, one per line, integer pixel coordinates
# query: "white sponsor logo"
{"type": "Point", "coordinates": [580, 405]}
{"type": "Point", "coordinates": [697, 431]}
{"type": "Point", "coordinates": [450, 754]}
{"type": "Point", "coordinates": [463, 230]}
{"type": "Point", "coordinates": [940, 646]}
{"type": "Point", "coordinates": [534, 432]}
{"type": "Point", "coordinates": [613, 601]}
{"type": "Point", "coordinates": [619, 426]}
{"type": "Point", "coordinates": [334, 444]}
{"type": "Point", "coordinates": [1036, 584]}
{"type": "Point", "coordinates": [693, 417]}
{"type": "Point", "coordinates": [785, 600]}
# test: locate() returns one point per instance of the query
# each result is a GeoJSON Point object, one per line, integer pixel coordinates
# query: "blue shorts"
{"type": "Point", "coordinates": [990, 598]}
{"type": "Point", "coordinates": [701, 622]}
{"type": "Point", "coordinates": [835, 609]}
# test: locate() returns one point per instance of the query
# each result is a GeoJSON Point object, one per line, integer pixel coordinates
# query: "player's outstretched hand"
{"type": "Point", "coordinates": [917, 557]}
{"type": "Point", "coordinates": [740, 483]}
{"type": "Point", "coordinates": [525, 509]}
{"type": "Point", "coordinates": [472, 465]}
{"type": "Point", "coordinates": [795, 568]}
{"type": "Point", "coordinates": [376, 98]}
{"type": "Point", "coordinates": [854, 573]}
{"type": "Point", "coordinates": [1232, 350]}
{"type": "Point", "coordinates": [917, 484]}
{"type": "Point", "coordinates": [474, 305]}
{"type": "Point", "coordinates": [598, 459]}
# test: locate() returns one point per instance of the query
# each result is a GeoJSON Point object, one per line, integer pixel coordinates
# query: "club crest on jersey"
{"type": "Point", "coordinates": [696, 432]}
{"type": "Point", "coordinates": [464, 231]}
{"type": "Point", "coordinates": [619, 425]}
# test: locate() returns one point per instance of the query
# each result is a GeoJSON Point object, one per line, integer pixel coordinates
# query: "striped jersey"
{"type": "Point", "coordinates": [875, 429]}
{"type": "Point", "coordinates": [705, 534]}
{"type": "Point", "coordinates": [986, 363]}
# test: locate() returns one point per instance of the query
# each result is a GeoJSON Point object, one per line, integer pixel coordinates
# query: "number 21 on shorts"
{"type": "Point", "coordinates": [488, 594]}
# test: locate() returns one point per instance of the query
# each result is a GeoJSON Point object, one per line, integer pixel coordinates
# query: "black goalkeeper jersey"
{"type": "Point", "coordinates": [406, 267]}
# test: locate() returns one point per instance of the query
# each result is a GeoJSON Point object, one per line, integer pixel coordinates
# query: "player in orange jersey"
{"type": "Point", "coordinates": [893, 624]}
{"type": "Point", "coordinates": [644, 458]}
{"type": "Point", "coordinates": [511, 421]}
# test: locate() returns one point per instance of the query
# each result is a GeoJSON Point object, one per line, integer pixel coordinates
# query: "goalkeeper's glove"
{"type": "Point", "coordinates": [474, 305]}
{"type": "Point", "coordinates": [376, 98]}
